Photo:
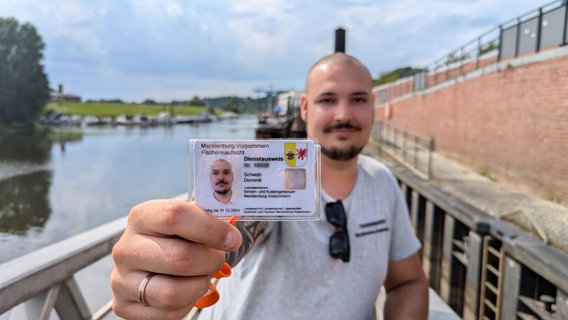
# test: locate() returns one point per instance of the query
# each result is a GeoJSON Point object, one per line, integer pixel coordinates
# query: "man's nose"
{"type": "Point", "coordinates": [343, 111]}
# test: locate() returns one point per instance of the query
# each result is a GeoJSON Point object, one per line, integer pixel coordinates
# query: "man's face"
{"type": "Point", "coordinates": [338, 109]}
{"type": "Point", "coordinates": [221, 176]}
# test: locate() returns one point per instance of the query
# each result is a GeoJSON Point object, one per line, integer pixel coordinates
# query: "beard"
{"type": "Point", "coordinates": [222, 187]}
{"type": "Point", "coordinates": [337, 154]}
{"type": "Point", "coordinates": [222, 192]}
{"type": "Point", "coordinates": [342, 155]}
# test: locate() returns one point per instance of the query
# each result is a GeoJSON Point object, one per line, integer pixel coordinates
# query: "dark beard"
{"type": "Point", "coordinates": [335, 154]}
{"type": "Point", "coordinates": [222, 192]}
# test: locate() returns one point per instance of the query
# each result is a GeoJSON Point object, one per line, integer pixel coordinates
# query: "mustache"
{"type": "Point", "coordinates": [342, 125]}
{"type": "Point", "coordinates": [221, 182]}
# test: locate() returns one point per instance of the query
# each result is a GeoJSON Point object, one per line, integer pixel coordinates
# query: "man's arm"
{"type": "Point", "coordinates": [253, 232]}
{"type": "Point", "coordinates": [407, 290]}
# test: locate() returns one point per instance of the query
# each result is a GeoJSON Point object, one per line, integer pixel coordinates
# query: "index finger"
{"type": "Point", "coordinates": [186, 220]}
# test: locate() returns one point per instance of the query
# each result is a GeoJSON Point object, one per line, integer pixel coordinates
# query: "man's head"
{"type": "Point", "coordinates": [338, 105]}
{"type": "Point", "coordinates": [221, 176]}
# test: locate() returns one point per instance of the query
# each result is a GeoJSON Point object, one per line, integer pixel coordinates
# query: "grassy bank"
{"type": "Point", "coordinates": [100, 109]}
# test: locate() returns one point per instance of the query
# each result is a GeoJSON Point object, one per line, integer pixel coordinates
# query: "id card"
{"type": "Point", "coordinates": [256, 179]}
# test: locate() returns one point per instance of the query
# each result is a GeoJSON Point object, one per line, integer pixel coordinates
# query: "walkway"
{"type": "Point", "coordinates": [545, 220]}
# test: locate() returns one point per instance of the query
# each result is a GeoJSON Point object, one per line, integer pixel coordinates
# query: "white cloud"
{"type": "Point", "coordinates": [174, 10]}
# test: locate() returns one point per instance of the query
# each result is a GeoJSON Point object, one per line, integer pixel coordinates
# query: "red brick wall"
{"type": "Point", "coordinates": [511, 124]}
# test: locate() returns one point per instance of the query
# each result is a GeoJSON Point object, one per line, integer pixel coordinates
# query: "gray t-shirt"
{"type": "Point", "coordinates": [292, 276]}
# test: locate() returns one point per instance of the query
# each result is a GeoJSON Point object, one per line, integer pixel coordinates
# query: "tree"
{"type": "Point", "coordinates": [196, 101]}
{"type": "Point", "coordinates": [386, 77]}
{"type": "Point", "coordinates": [24, 88]}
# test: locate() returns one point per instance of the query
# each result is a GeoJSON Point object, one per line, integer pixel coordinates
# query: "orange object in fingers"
{"type": "Point", "coordinates": [208, 299]}
{"type": "Point", "coordinates": [224, 272]}
{"type": "Point", "coordinates": [212, 296]}
{"type": "Point", "coordinates": [233, 220]}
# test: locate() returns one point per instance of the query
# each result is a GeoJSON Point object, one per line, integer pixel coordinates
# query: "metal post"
{"type": "Point", "coordinates": [517, 43]}
{"type": "Point", "coordinates": [340, 40]}
{"type": "Point", "coordinates": [564, 35]}
{"type": "Point", "coordinates": [500, 53]}
{"type": "Point", "coordinates": [538, 30]}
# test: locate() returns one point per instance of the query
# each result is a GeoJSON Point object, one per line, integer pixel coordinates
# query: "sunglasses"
{"type": "Point", "coordinates": [339, 241]}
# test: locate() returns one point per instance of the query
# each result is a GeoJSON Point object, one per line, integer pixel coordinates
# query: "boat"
{"type": "Point", "coordinates": [282, 120]}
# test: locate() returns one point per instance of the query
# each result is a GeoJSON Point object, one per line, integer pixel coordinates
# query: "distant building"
{"type": "Point", "coordinates": [287, 102]}
{"type": "Point", "coordinates": [59, 96]}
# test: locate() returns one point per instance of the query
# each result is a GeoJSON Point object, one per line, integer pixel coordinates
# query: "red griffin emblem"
{"type": "Point", "coordinates": [302, 152]}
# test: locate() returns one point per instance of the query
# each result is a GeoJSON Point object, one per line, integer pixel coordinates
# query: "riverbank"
{"type": "Point", "coordinates": [107, 113]}
{"type": "Point", "coordinates": [113, 109]}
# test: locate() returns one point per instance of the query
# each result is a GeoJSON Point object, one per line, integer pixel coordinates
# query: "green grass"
{"type": "Point", "coordinates": [101, 109]}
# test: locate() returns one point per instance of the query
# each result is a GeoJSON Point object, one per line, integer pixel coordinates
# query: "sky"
{"type": "Point", "coordinates": [177, 49]}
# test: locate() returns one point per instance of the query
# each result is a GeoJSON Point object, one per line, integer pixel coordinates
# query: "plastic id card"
{"type": "Point", "coordinates": [256, 179]}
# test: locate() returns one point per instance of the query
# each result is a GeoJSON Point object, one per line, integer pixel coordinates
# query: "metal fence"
{"type": "Point", "coordinates": [410, 148]}
{"type": "Point", "coordinates": [542, 28]}
{"type": "Point", "coordinates": [483, 267]}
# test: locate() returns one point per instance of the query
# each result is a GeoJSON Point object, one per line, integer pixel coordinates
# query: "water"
{"type": "Point", "coordinates": [54, 187]}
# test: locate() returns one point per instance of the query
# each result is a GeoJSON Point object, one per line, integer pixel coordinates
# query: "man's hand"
{"type": "Point", "coordinates": [178, 242]}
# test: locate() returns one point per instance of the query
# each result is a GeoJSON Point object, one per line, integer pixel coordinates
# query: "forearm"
{"type": "Point", "coordinates": [253, 232]}
{"type": "Point", "coordinates": [407, 301]}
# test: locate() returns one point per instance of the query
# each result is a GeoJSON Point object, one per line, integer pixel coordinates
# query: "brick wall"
{"type": "Point", "coordinates": [510, 123]}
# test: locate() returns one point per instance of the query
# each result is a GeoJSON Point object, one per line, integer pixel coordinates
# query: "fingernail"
{"type": "Point", "coordinates": [231, 239]}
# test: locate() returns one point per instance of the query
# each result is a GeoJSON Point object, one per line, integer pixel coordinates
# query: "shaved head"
{"type": "Point", "coordinates": [338, 58]}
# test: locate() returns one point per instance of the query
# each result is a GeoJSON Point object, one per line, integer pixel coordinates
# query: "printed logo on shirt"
{"type": "Point", "coordinates": [372, 227]}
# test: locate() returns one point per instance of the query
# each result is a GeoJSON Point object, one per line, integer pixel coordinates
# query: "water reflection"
{"type": "Point", "coordinates": [24, 202]}
{"type": "Point", "coordinates": [25, 178]}
{"type": "Point", "coordinates": [32, 148]}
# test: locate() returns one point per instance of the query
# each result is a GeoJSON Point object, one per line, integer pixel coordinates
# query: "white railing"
{"type": "Point", "coordinates": [34, 285]}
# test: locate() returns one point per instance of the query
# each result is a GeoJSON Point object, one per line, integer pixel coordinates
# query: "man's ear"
{"type": "Point", "coordinates": [303, 107]}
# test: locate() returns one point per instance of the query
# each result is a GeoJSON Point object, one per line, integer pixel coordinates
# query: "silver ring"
{"type": "Point", "coordinates": [142, 289]}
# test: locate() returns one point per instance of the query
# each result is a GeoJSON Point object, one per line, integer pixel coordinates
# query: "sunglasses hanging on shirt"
{"type": "Point", "coordinates": [339, 241]}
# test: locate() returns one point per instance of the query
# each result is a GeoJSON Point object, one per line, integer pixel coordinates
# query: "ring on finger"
{"type": "Point", "coordinates": [142, 289]}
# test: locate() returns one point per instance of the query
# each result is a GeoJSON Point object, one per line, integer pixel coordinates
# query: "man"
{"type": "Point", "coordinates": [328, 269]}
{"type": "Point", "coordinates": [221, 177]}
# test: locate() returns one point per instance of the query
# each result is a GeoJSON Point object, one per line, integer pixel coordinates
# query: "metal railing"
{"type": "Point", "coordinates": [408, 147]}
{"type": "Point", "coordinates": [484, 267]}
{"type": "Point", "coordinates": [544, 27]}
{"type": "Point", "coordinates": [45, 280]}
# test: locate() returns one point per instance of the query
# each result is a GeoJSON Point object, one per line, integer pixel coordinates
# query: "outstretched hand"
{"type": "Point", "coordinates": [179, 243]}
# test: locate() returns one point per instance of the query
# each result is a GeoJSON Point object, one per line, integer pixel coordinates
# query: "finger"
{"type": "Point", "coordinates": [161, 291]}
{"type": "Point", "coordinates": [186, 220]}
{"type": "Point", "coordinates": [137, 311]}
{"type": "Point", "coordinates": [172, 256]}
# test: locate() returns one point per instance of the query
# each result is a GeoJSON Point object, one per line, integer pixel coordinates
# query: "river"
{"type": "Point", "coordinates": [53, 187]}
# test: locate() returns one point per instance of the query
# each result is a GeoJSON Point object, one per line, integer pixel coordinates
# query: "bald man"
{"type": "Point", "coordinates": [221, 176]}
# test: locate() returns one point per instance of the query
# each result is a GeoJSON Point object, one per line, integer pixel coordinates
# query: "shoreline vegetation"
{"type": "Point", "coordinates": [110, 113]}
{"type": "Point", "coordinates": [109, 109]}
